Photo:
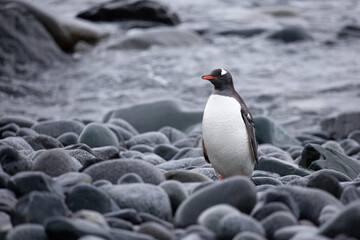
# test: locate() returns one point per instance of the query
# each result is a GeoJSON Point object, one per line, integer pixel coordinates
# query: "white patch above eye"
{"type": "Point", "coordinates": [223, 72]}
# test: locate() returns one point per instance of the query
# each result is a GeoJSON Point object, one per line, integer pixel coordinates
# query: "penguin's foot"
{"type": "Point", "coordinates": [220, 177]}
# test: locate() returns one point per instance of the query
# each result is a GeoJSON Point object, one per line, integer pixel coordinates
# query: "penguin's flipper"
{"type": "Point", "coordinates": [250, 127]}
{"type": "Point", "coordinates": [204, 151]}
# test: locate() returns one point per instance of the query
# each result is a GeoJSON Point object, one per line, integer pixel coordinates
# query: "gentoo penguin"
{"type": "Point", "coordinates": [229, 141]}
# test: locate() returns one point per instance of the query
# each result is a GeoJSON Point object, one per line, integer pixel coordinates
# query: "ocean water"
{"type": "Point", "coordinates": [295, 84]}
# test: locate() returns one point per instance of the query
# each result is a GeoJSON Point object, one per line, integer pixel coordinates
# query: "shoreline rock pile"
{"type": "Point", "coordinates": [68, 179]}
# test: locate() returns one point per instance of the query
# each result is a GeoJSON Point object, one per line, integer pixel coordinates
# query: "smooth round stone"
{"type": "Point", "coordinates": [332, 173]}
{"type": "Point", "coordinates": [348, 144]}
{"type": "Point", "coordinates": [125, 234]}
{"type": "Point", "coordinates": [54, 162]}
{"type": "Point", "coordinates": [189, 153]}
{"type": "Point", "coordinates": [26, 132]}
{"type": "Point", "coordinates": [43, 142]}
{"type": "Point", "coordinates": [326, 183]}
{"type": "Point", "coordinates": [119, 223]}
{"type": "Point", "coordinates": [26, 182]}
{"type": "Point", "coordinates": [132, 154]}
{"type": "Point", "coordinates": [98, 135]}
{"type": "Point", "coordinates": [147, 217]}
{"type": "Point", "coordinates": [248, 236]}
{"type": "Point", "coordinates": [124, 124]}
{"type": "Point", "coordinates": [182, 163]}
{"type": "Point", "coordinates": [128, 214]}
{"type": "Point", "coordinates": [68, 138]}
{"type": "Point", "coordinates": [287, 233]}
{"type": "Point", "coordinates": [130, 178]}
{"type": "Point", "coordinates": [166, 151]}
{"type": "Point", "coordinates": [272, 151]}
{"type": "Point", "coordinates": [27, 208]}
{"type": "Point", "coordinates": [121, 133]}
{"type": "Point", "coordinates": [156, 230]}
{"type": "Point", "coordinates": [286, 179]}
{"type": "Point", "coordinates": [224, 192]}
{"type": "Point", "coordinates": [17, 143]}
{"type": "Point", "coordinates": [7, 199]}
{"type": "Point", "coordinates": [355, 135]}
{"type": "Point", "coordinates": [309, 235]}
{"type": "Point", "coordinates": [277, 221]}
{"type": "Point", "coordinates": [172, 134]}
{"type": "Point", "coordinates": [81, 146]}
{"type": "Point", "coordinates": [291, 34]}
{"type": "Point", "coordinates": [280, 167]}
{"type": "Point", "coordinates": [71, 179]}
{"type": "Point", "coordinates": [149, 138]}
{"type": "Point", "coordinates": [90, 237]}
{"type": "Point", "coordinates": [12, 161]}
{"type": "Point", "coordinates": [55, 128]}
{"type": "Point", "coordinates": [199, 232]}
{"type": "Point", "coordinates": [91, 216]}
{"type": "Point", "coordinates": [27, 232]}
{"type": "Point", "coordinates": [185, 143]}
{"type": "Point", "coordinates": [333, 145]}
{"type": "Point", "coordinates": [206, 171]}
{"type": "Point", "coordinates": [114, 169]}
{"type": "Point", "coordinates": [95, 199]}
{"type": "Point", "coordinates": [4, 179]}
{"type": "Point", "coordinates": [266, 180]}
{"type": "Point", "coordinates": [186, 176]}
{"type": "Point", "coordinates": [102, 182]}
{"type": "Point", "coordinates": [268, 209]}
{"type": "Point", "coordinates": [7, 134]}
{"type": "Point", "coordinates": [153, 158]}
{"type": "Point", "coordinates": [350, 194]}
{"type": "Point", "coordinates": [327, 213]}
{"type": "Point", "coordinates": [341, 125]}
{"type": "Point", "coordinates": [107, 152]}
{"type": "Point", "coordinates": [59, 228]}
{"type": "Point", "coordinates": [211, 216]}
{"type": "Point", "coordinates": [5, 224]}
{"type": "Point", "coordinates": [175, 191]}
{"type": "Point", "coordinates": [143, 198]}
{"type": "Point", "coordinates": [142, 148]}
{"type": "Point", "coordinates": [277, 196]}
{"type": "Point", "coordinates": [18, 120]}
{"type": "Point", "coordinates": [233, 223]}
{"type": "Point", "coordinates": [11, 127]}
{"type": "Point", "coordinates": [346, 222]}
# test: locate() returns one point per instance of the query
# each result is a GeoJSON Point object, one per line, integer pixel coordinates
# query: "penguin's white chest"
{"type": "Point", "coordinates": [225, 137]}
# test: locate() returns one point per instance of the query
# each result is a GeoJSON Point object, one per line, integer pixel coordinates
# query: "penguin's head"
{"type": "Point", "coordinates": [220, 78]}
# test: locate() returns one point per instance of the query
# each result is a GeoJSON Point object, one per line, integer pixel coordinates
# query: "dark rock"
{"type": "Point", "coordinates": [59, 228]}
{"type": "Point", "coordinates": [26, 132]}
{"type": "Point", "coordinates": [7, 200]}
{"type": "Point", "coordinates": [268, 132]}
{"type": "Point", "coordinates": [68, 138]}
{"type": "Point", "coordinates": [348, 144]}
{"type": "Point", "coordinates": [315, 157]}
{"type": "Point", "coordinates": [18, 120]}
{"type": "Point", "coordinates": [118, 131]}
{"type": "Point", "coordinates": [25, 46]}
{"type": "Point", "coordinates": [27, 208]}
{"type": "Point", "coordinates": [153, 158]}
{"type": "Point", "coordinates": [130, 178]}
{"type": "Point", "coordinates": [266, 180]}
{"type": "Point", "coordinates": [4, 179]}
{"type": "Point", "coordinates": [166, 151]}
{"type": "Point", "coordinates": [7, 134]}
{"type": "Point", "coordinates": [71, 179]}
{"type": "Point", "coordinates": [349, 31]}
{"type": "Point", "coordinates": [287, 233]}
{"type": "Point", "coordinates": [12, 161]}
{"type": "Point", "coordinates": [308, 138]}
{"type": "Point", "coordinates": [26, 182]}
{"type": "Point", "coordinates": [119, 223]}
{"type": "Point", "coordinates": [186, 176]}
{"type": "Point", "coordinates": [55, 128]}
{"type": "Point", "coordinates": [350, 194]}
{"type": "Point", "coordinates": [27, 232]}
{"type": "Point", "coordinates": [11, 127]}
{"type": "Point", "coordinates": [91, 216]}
{"type": "Point", "coordinates": [142, 148]}
{"type": "Point", "coordinates": [5, 224]}
{"type": "Point", "coordinates": [344, 223]}
{"type": "Point", "coordinates": [149, 138]}
{"type": "Point", "coordinates": [147, 217]}
{"type": "Point", "coordinates": [198, 232]}
{"type": "Point", "coordinates": [54, 162]}
{"type": "Point", "coordinates": [247, 32]}
{"type": "Point", "coordinates": [107, 152]}
{"type": "Point", "coordinates": [329, 172]}
{"type": "Point", "coordinates": [129, 214]}
{"type": "Point", "coordinates": [223, 192]}
{"type": "Point", "coordinates": [98, 135]}
{"type": "Point", "coordinates": [128, 235]}
{"type": "Point", "coordinates": [131, 10]}
{"type": "Point", "coordinates": [281, 167]}
{"type": "Point", "coordinates": [182, 163]}
{"type": "Point", "coordinates": [114, 169]}
{"type": "Point", "coordinates": [164, 37]}
{"type": "Point", "coordinates": [291, 34]}
{"type": "Point", "coordinates": [125, 125]}
{"type": "Point", "coordinates": [353, 151]}
{"type": "Point", "coordinates": [141, 197]}
{"type": "Point", "coordinates": [277, 221]}
{"type": "Point", "coordinates": [17, 143]}
{"type": "Point", "coordinates": [176, 193]}
{"type": "Point", "coordinates": [154, 115]}
{"type": "Point", "coordinates": [185, 143]}
{"type": "Point", "coordinates": [327, 213]}
{"type": "Point", "coordinates": [172, 134]}
{"type": "Point", "coordinates": [271, 151]}
{"type": "Point", "coordinates": [326, 183]}
{"type": "Point", "coordinates": [270, 208]}
{"type": "Point", "coordinates": [189, 153]}
{"type": "Point", "coordinates": [42, 142]}
{"type": "Point", "coordinates": [248, 236]}
{"type": "Point", "coordinates": [355, 135]}
{"type": "Point", "coordinates": [288, 200]}
{"type": "Point", "coordinates": [81, 146]}
{"type": "Point", "coordinates": [341, 125]}
{"type": "Point", "coordinates": [156, 230]}
{"type": "Point", "coordinates": [95, 199]}
{"type": "Point", "coordinates": [83, 157]}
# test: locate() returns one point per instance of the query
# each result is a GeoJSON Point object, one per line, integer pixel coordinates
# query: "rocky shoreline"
{"type": "Point", "coordinates": [73, 179]}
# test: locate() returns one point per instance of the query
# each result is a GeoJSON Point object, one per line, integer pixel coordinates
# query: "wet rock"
{"type": "Point", "coordinates": [17, 143]}
{"type": "Point", "coordinates": [186, 176]}
{"type": "Point", "coordinates": [182, 163]}
{"type": "Point", "coordinates": [12, 161]}
{"type": "Point", "coordinates": [54, 162]}
{"type": "Point", "coordinates": [270, 208]}
{"type": "Point", "coordinates": [42, 142]}
{"type": "Point", "coordinates": [58, 228]}
{"type": "Point", "coordinates": [280, 167]}
{"type": "Point", "coordinates": [26, 182]}
{"type": "Point", "coordinates": [55, 128]}
{"type": "Point", "coordinates": [95, 199]}
{"type": "Point", "coordinates": [130, 178]}
{"type": "Point", "coordinates": [164, 37]}
{"type": "Point", "coordinates": [20, 49]}
{"type": "Point", "coordinates": [154, 115]}
{"type": "Point", "coordinates": [156, 230]}
{"type": "Point", "coordinates": [166, 151]}
{"type": "Point", "coordinates": [129, 214]}
{"type": "Point", "coordinates": [341, 125]}
{"type": "Point", "coordinates": [326, 183]}
{"type": "Point", "coordinates": [114, 169]}
{"type": "Point", "coordinates": [131, 10]}
{"type": "Point", "coordinates": [176, 193]}
{"type": "Point", "coordinates": [98, 135]}
{"type": "Point", "coordinates": [150, 138]}
{"type": "Point", "coordinates": [224, 192]}
{"type": "Point", "coordinates": [107, 152]}
{"type": "Point", "coordinates": [344, 223]}
{"type": "Point", "coordinates": [143, 198]}
{"type": "Point", "coordinates": [315, 157]}
{"type": "Point", "coordinates": [27, 208]}
{"type": "Point", "coordinates": [268, 132]}
{"type": "Point", "coordinates": [91, 216]}
{"type": "Point", "coordinates": [71, 179]}
{"type": "Point", "coordinates": [350, 194]}
{"type": "Point", "coordinates": [68, 138]}
{"type": "Point", "coordinates": [172, 134]}
{"type": "Point", "coordinates": [27, 232]}
{"type": "Point", "coordinates": [291, 34]}
{"type": "Point", "coordinates": [21, 121]}
{"type": "Point", "coordinates": [277, 221]}
{"type": "Point", "coordinates": [349, 31]}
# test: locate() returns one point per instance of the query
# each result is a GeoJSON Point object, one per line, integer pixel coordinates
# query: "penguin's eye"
{"type": "Point", "coordinates": [223, 72]}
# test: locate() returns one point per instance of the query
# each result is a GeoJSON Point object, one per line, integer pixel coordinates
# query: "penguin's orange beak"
{"type": "Point", "coordinates": [208, 77]}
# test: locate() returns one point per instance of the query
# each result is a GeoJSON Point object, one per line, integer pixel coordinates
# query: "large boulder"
{"type": "Point", "coordinates": [341, 125]}
{"type": "Point", "coordinates": [131, 10]}
{"type": "Point", "coordinates": [154, 115]}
